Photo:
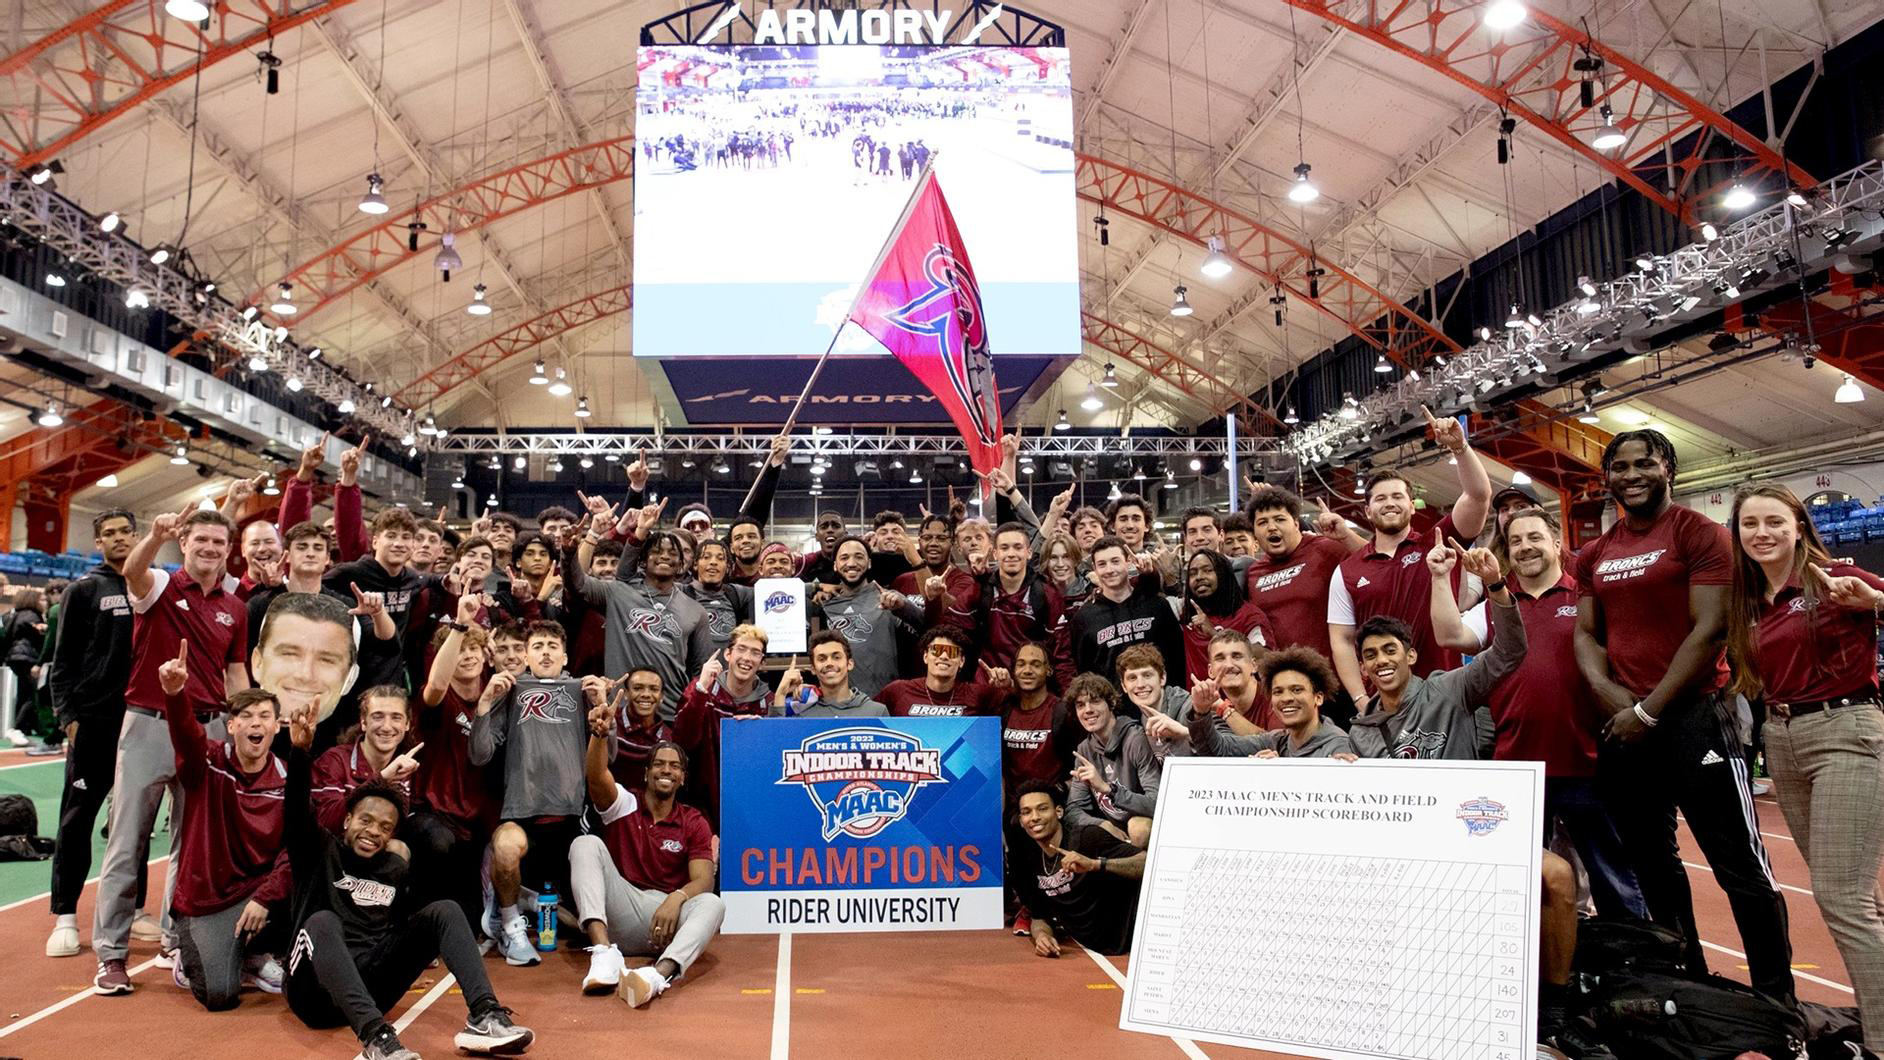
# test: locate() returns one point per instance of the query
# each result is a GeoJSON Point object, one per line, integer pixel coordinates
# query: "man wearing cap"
{"type": "Point", "coordinates": [697, 520]}
{"type": "Point", "coordinates": [1513, 498]}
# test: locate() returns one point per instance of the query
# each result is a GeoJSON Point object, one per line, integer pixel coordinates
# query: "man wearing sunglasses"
{"type": "Point", "coordinates": [938, 693]}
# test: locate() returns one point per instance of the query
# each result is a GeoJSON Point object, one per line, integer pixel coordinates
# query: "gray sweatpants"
{"type": "Point", "coordinates": [147, 767]}
{"type": "Point", "coordinates": [212, 956]}
{"type": "Point", "coordinates": [602, 894]}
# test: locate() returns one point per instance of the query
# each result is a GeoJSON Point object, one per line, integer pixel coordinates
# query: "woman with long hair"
{"type": "Point", "coordinates": [1060, 559]}
{"type": "Point", "coordinates": [22, 638]}
{"type": "Point", "coordinates": [1802, 632]}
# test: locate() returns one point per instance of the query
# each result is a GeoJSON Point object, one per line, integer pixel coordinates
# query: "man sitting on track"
{"type": "Point", "coordinates": [1079, 882]}
{"type": "Point", "coordinates": [645, 885]}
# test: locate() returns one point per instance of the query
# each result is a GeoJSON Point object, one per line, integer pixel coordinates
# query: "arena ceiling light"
{"type": "Point", "coordinates": [1063, 424]}
{"type": "Point", "coordinates": [478, 307]}
{"type": "Point", "coordinates": [51, 417]}
{"type": "Point", "coordinates": [539, 375]}
{"type": "Point", "coordinates": [107, 483]}
{"type": "Point", "coordinates": [1170, 479]}
{"type": "Point", "coordinates": [1589, 414]}
{"type": "Point", "coordinates": [1381, 365]}
{"type": "Point", "coordinates": [1848, 394]}
{"type": "Point", "coordinates": [1608, 138]}
{"type": "Point", "coordinates": [561, 387]}
{"type": "Point", "coordinates": [187, 10]}
{"type": "Point", "coordinates": [1216, 264]}
{"type": "Point", "coordinates": [43, 173]}
{"type": "Point", "coordinates": [109, 222]}
{"type": "Point", "coordinates": [915, 476]}
{"type": "Point", "coordinates": [585, 463]}
{"type": "Point", "coordinates": [1709, 232]}
{"type": "Point", "coordinates": [54, 278]}
{"type": "Point", "coordinates": [447, 258]}
{"type": "Point", "coordinates": [1515, 318]}
{"type": "Point", "coordinates": [1180, 305]}
{"type": "Point", "coordinates": [1739, 197]}
{"type": "Point", "coordinates": [582, 409]}
{"type": "Point", "coordinates": [137, 297]}
{"type": "Point", "coordinates": [284, 300]}
{"type": "Point", "coordinates": [294, 384]}
{"type": "Point", "coordinates": [160, 255]}
{"type": "Point", "coordinates": [1303, 190]}
{"type": "Point", "coordinates": [1111, 381]}
{"type": "Point", "coordinates": [1290, 417]}
{"type": "Point", "coordinates": [519, 462]}
{"type": "Point", "coordinates": [346, 407]}
{"type": "Point", "coordinates": [373, 202]}
{"type": "Point", "coordinates": [1092, 402]}
{"type": "Point", "coordinates": [258, 363]}
{"type": "Point", "coordinates": [1505, 14]}
{"type": "Point", "coordinates": [180, 456]}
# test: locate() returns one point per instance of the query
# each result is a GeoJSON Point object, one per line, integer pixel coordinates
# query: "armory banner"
{"type": "Point", "coordinates": [877, 824]}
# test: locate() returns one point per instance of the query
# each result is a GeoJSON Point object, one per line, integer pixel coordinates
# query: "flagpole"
{"type": "Point", "coordinates": [791, 419]}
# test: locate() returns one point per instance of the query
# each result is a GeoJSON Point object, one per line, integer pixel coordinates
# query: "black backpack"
{"type": "Point", "coordinates": [19, 831]}
{"type": "Point", "coordinates": [1653, 1016]}
{"type": "Point", "coordinates": [1627, 944]}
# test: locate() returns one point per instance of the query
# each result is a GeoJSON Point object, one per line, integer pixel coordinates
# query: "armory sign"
{"type": "Point", "coordinates": [824, 26]}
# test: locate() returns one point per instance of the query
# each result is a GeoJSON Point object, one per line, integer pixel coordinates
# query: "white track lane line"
{"type": "Point", "coordinates": [1782, 886]}
{"type": "Point", "coordinates": [47, 895]}
{"type": "Point", "coordinates": [47, 760]}
{"type": "Point", "coordinates": [418, 1007]}
{"type": "Point", "coordinates": [1808, 976]}
{"type": "Point", "coordinates": [782, 1000]}
{"type": "Point", "coordinates": [60, 1006]}
{"type": "Point", "coordinates": [1185, 1045]}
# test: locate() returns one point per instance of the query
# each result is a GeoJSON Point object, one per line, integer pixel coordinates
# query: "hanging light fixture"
{"type": "Point", "coordinates": [1216, 264]}
{"type": "Point", "coordinates": [1111, 381]}
{"type": "Point", "coordinates": [1848, 393]}
{"type": "Point", "coordinates": [284, 300]}
{"type": "Point", "coordinates": [447, 258]}
{"type": "Point", "coordinates": [1589, 414]}
{"type": "Point", "coordinates": [1290, 417]}
{"type": "Point", "coordinates": [1303, 190]}
{"type": "Point", "coordinates": [519, 462]}
{"type": "Point", "coordinates": [1064, 424]}
{"type": "Point", "coordinates": [539, 375]}
{"type": "Point", "coordinates": [187, 10]}
{"type": "Point", "coordinates": [582, 408]}
{"type": "Point", "coordinates": [109, 222]}
{"type": "Point", "coordinates": [346, 406]}
{"type": "Point", "coordinates": [585, 463]}
{"type": "Point", "coordinates": [1180, 306]}
{"type": "Point", "coordinates": [108, 482]}
{"type": "Point", "coordinates": [1092, 402]}
{"type": "Point", "coordinates": [561, 387]}
{"type": "Point", "coordinates": [51, 417]}
{"type": "Point", "coordinates": [1170, 479]}
{"type": "Point", "coordinates": [1608, 138]}
{"type": "Point", "coordinates": [1515, 318]}
{"type": "Point", "coordinates": [1197, 464]}
{"type": "Point", "coordinates": [1505, 14]}
{"type": "Point", "coordinates": [42, 173]}
{"type": "Point", "coordinates": [294, 384]}
{"type": "Point", "coordinates": [1739, 197]}
{"type": "Point", "coordinates": [137, 297]}
{"type": "Point", "coordinates": [181, 456]}
{"type": "Point", "coordinates": [1381, 365]}
{"type": "Point", "coordinates": [373, 202]}
{"type": "Point", "coordinates": [915, 476]}
{"type": "Point", "coordinates": [55, 279]}
{"type": "Point", "coordinates": [1519, 478]}
{"type": "Point", "coordinates": [478, 307]}
{"type": "Point", "coordinates": [1115, 493]}
{"type": "Point", "coordinates": [160, 255]}
{"type": "Point", "coordinates": [1709, 232]}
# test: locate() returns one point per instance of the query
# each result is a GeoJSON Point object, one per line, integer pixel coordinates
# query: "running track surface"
{"type": "Point", "coordinates": [938, 994]}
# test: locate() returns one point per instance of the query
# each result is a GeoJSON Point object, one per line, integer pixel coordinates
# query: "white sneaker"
{"type": "Point", "coordinates": [641, 986]}
{"type": "Point", "coordinates": [263, 972]}
{"type": "Point", "coordinates": [17, 738]}
{"type": "Point", "coordinates": [515, 944]}
{"type": "Point", "coordinates": [165, 959]}
{"type": "Point", "coordinates": [605, 968]}
{"type": "Point", "coordinates": [146, 928]}
{"type": "Point", "coordinates": [63, 942]}
{"type": "Point", "coordinates": [1762, 786]}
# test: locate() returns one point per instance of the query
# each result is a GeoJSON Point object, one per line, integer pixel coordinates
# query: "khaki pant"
{"type": "Point", "coordinates": [601, 894]}
{"type": "Point", "coordinates": [1828, 773]}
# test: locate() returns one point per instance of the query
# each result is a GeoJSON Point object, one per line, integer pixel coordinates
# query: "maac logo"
{"type": "Point", "coordinates": [950, 312]}
{"type": "Point", "coordinates": [861, 780]}
{"type": "Point", "coordinates": [1482, 815]}
{"type": "Point", "coordinates": [778, 602]}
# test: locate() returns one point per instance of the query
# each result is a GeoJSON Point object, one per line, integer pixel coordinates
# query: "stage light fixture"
{"type": "Point", "coordinates": [1515, 318]}
{"type": "Point", "coordinates": [1645, 263]}
{"type": "Point", "coordinates": [109, 222]}
{"type": "Point", "coordinates": [561, 387]}
{"type": "Point", "coordinates": [1278, 302]}
{"type": "Point", "coordinates": [408, 438]}
{"type": "Point", "coordinates": [447, 258]}
{"type": "Point", "coordinates": [373, 202]}
{"type": "Point", "coordinates": [1797, 199]}
{"type": "Point", "coordinates": [478, 307]}
{"type": "Point", "coordinates": [1848, 393]}
{"type": "Point", "coordinates": [180, 456]}
{"type": "Point", "coordinates": [1589, 415]}
{"type": "Point", "coordinates": [160, 255]}
{"type": "Point", "coordinates": [1534, 320]}
{"type": "Point", "coordinates": [519, 462]}
{"type": "Point", "coordinates": [1064, 424]}
{"type": "Point", "coordinates": [915, 476]}
{"type": "Point", "coordinates": [1197, 463]}
{"type": "Point", "coordinates": [1290, 417]}
{"type": "Point", "coordinates": [613, 458]}
{"type": "Point", "coordinates": [249, 313]}
{"type": "Point", "coordinates": [284, 300]}
{"type": "Point", "coordinates": [556, 465]}
{"type": "Point", "coordinates": [1180, 306]}
{"type": "Point", "coordinates": [42, 173]}
{"type": "Point", "coordinates": [137, 297]}
{"type": "Point", "coordinates": [1111, 381]}
{"type": "Point", "coordinates": [54, 279]}
{"type": "Point", "coordinates": [1381, 365]}
{"type": "Point", "coordinates": [1115, 493]}
{"type": "Point", "coordinates": [1709, 232]}
{"type": "Point", "coordinates": [51, 417]}
{"type": "Point", "coordinates": [346, 407]}
{"type": "Point", "coordinates": [1738, 197]}
{"type": "Point", "coordinates": [585, 463]}
{"type": "Point", "coordinates": [1103, 225]}
{"type": "Point", "coordinates": [1303, 190]}
{"type": "Point", "coordinates": [1506, 127]}
{"type": "Point", "coordinates": [1484, 334]}
{"type": "Point", "coordinates": [722, 467]}
{"type": "Point", "coordinates": [1350, 409]}
{"type": "Point", "coordinates": [314, 353]}
{"type": "Point", "coordinates": [1170, 479]}
{"type": "Point", "coordinates": [539, 375]}
{"type": "Point", "coordinates": [1216, 265]}
{"type": "Point", "coordinates": [187, 10]}
{"type": "Point", "coordinates": [294, 384]}
{"type": "Point", "coordinates": [582, 408]}
{"type": "Point", "coordinates": [258, 363]}
{"type": "Point", "coordinates": [1505, 14]}
{"type": "Point", "coordinates": [1608, 138]}
{"type": "Point", "coordinates": [1092, 402]}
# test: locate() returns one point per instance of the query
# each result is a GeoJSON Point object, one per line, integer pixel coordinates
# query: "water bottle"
{"type": "Point", "coordinates": [546, 919]}
{"type": "Point", "coordinates": [1640, 1009]}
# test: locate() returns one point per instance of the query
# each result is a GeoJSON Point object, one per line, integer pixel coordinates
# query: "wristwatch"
{"type": "Point", "coordinates": [1102, 864]}
{"type": "Point", "coordinates": [1493, 587]}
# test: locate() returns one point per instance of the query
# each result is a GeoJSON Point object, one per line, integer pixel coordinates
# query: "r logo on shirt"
{"type": "Point", "coordinates": [672, 846]}
{"type": "Point", "coordinates": [225, 618]}
{"type": "Point", "coordinates": [1411, 558]}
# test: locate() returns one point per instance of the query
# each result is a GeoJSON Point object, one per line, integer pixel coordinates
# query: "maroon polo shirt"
{"type": "Point", "coordinates": [1399, 586]}
{"type": "Point", "coordinates": [634, 746]}
{"type": "Point", "coordinates": [1808, 652]}
{"type": "Point", "coordinates": [1641, 579]}
{"type": "Point", "coordinates": [1545, 711]}
{"type": "Point", "coordinates": [1248, 619]}
{"type": "Point", "coordinates": [913, 698]}
{"type": "Point", "coordinates": [1293, 592]}
{"type": "Point", "coordinates": [651, 854]}
{"type": "Point", "coordinates": [216, 623]}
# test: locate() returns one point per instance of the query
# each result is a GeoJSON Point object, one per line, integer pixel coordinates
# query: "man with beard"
{"type": "Point", "coordinates": [727, 605]}
{"type": "Point", "coordinates": [91, 666]}
{"type": "Point", "coordinates": [818, 568]}
{"type": "Point", "coordinates": [1078, 880]}
{"type": "Point", "coordinates": [1038, 732]}
{"type": "Point", "coordinates": [833, 696]}
{"type": "Point", "coordinates": [871, 619]}
{"type": "Point", "coordinates": [1017, 606]}
{"type": "Point", "coordinates": [1434, 717]}
{"type": "Point", "coordinates": [638, 728]}
{"type": "Point", "coordinates": [728, 687]}
{"type": "Point", "coordinates": [650, 621]}
{"type": "Point", "coordinates": [1121, 614]}
{"type": "Point", "coordinates": [385, 720]}
{"type": "Point", "coordinates": [1652, 615]}
{"type": "Point", "coordinates": [938, 692]}
{"type": "Point", "coordinates": [645, 885]}
{"type": "Point", "coordinates": [950, 594]}
{"type": "Point", "coordinates": [1386, 577]}
{"type": "Point", "coordinates": [382, 662]}
{"type": "Point", "coordinates": [1545, 711]}
{"type": "Point", "coordinates": [1213, 603]}
{"type": "Point", "coordinates": [454, 803]}
{"type": "Point", "coordinates": [745, 538]}
{"type": "Point", "coordinates": [196, 605]}
{"type": "Point", "coordinates": [1299, 682]}
{"type": "Point", "coordinates": [1290, 576]}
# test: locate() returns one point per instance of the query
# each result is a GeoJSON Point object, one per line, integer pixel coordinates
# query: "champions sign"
{"type": "Point", "coordinates": [886, 824]}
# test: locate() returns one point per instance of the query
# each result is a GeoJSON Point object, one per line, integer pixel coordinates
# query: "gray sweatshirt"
{"type": "Point", "coordinates": [543, 728]}
{"type": "Point", "coordinates": [1128, 765]}
{"type": "Point", "coordinates": [870, 630]}
{"type": "Point", "coordinates": [1440, 716]}
{"type": "Point", "coordinates": [725, 607]}
{"type": "Point", "coordinates": [1175, 705]}
{"type": "Point", "coordinates": [1215, 741]}
{"type": "Point", "coordinates": [664, 631]}
{"type": "Point", "coordinates": [857, 706]}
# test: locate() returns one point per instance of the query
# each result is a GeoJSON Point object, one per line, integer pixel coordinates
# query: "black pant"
{"type": "Point", "coordinates": [447, 861]}
{"type": "Point", "coordinates": [329, 985]}
{"type": "Point", "coordinates": [1692, 761]}
{"type": "Point", "coordinates": [91, 764]}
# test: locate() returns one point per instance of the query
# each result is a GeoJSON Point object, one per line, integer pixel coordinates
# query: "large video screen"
{"type": "Point", "coordinates": [768, 178]}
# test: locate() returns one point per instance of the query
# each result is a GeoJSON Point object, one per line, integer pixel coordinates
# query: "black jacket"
{"type": "Point", "coordinates": [91, 659]}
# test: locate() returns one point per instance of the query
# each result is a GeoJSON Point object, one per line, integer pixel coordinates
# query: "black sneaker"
{"type": "Point", "coordinates": [385, 1046]}
{"type": "Point", "coordinates": [491, 1032]}
{"type": "Point", "coordinates": [1576, 1039]}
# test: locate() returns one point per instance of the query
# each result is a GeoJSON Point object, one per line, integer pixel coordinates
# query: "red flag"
{"type": "Point", "coordinates": [924, 306]}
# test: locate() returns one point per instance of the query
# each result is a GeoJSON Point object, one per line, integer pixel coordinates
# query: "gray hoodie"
{"type": "Point", "coordinates": [1440, 716]}
{"type": "Point", "coordinates": [1175, 705]}
{"type": "Point", "coordinates": [870, 629]}
{"type": "Point", "coordinates": [543, 728]}
{"type": "Point", "coordinates": [1214, 741]}
{"type": "Point", "coordinates": [664, 631]}
{"type": "Point", "coordinates": [1128, 765]}
{"type": "Point", "coordinates": [857, 706]}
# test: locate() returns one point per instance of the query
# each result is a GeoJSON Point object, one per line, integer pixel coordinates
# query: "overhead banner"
{"type": "Point", "coordinates": [880, 824]}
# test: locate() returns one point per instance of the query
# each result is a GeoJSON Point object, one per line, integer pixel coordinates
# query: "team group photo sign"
{"type": "Point", "coordinates": [890, 824]}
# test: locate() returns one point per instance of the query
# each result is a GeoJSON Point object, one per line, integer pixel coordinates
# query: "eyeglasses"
{"type": "Point", "coordinates": [945, 651]}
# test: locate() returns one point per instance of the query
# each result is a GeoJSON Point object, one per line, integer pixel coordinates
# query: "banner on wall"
{"type": "Point", "coordinates": [880, 824]}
